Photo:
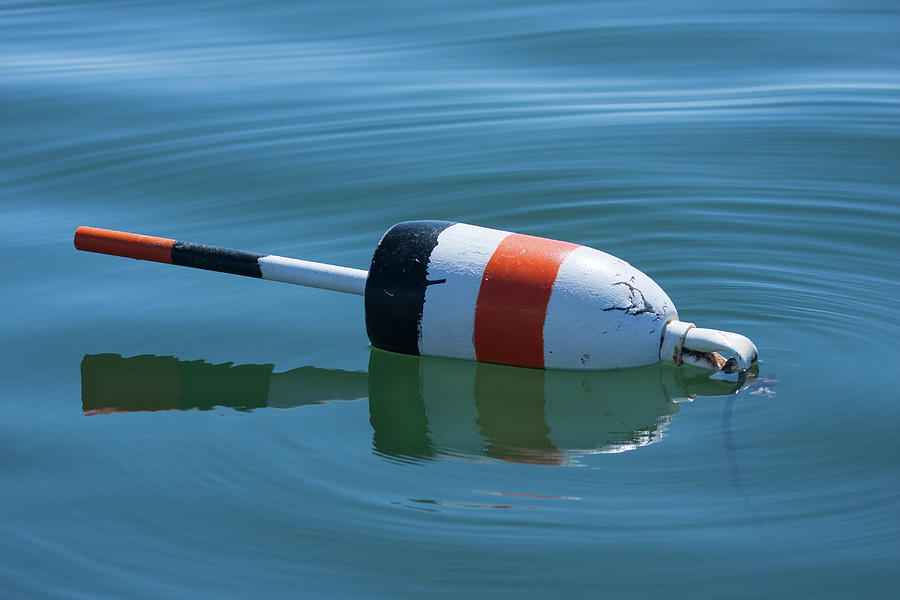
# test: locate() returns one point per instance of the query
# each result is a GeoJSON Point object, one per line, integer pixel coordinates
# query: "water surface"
{"type": "Point", "coordinates": [168, 432]}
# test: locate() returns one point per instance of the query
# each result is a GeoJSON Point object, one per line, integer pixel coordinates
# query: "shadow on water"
{"type": "Point", "coordinates": [425, 408]}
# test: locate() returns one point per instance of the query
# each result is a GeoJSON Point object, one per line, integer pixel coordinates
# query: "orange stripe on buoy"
{"type": "Point", "coordinates": [512, 301]}
{"type": "Point", "coordinates": [120, 243]}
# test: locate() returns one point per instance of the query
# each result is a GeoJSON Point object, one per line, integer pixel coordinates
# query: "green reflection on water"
{"type": "Point", "coordinates": [424, 408]}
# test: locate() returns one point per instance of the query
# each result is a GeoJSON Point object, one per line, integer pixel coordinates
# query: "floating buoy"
{"type": "Point", "coordinates": [438, 288]}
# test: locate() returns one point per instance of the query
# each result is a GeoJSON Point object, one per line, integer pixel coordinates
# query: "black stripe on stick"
{"type": "Point", "coordinates": [213, 258]}
{"type": "Point", "coordinates": [395, 288]}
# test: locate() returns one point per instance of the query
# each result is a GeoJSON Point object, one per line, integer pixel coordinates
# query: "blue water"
{"type": "Point", "coordinates": [166, 432]}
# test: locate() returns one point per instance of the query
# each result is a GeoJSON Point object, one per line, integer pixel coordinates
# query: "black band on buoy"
{"type": "Point", "coordinates": [395, 289]}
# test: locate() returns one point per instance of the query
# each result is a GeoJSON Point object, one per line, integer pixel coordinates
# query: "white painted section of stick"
{"type": "Point", "coordinates": [448, 315]}
{"type": "Point", "coordinates": [313, 274]}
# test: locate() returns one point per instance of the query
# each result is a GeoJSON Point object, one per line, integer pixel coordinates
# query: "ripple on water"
{"type": "Point", "coordinates": [744, 158]}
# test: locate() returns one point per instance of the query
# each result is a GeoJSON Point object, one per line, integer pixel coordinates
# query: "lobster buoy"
{"type": "Point", "coordinates": [438, 288]}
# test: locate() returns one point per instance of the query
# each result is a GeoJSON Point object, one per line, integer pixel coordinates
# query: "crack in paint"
{"type": "Point", "coordinates": [639, 304]}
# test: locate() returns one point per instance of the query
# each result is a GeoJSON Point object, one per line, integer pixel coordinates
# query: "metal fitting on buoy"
{"type": "Point", "coordinates": [685, 343]}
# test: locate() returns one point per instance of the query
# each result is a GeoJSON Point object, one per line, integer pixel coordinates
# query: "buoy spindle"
{"type": "Point", "coordinates": [225, 260]}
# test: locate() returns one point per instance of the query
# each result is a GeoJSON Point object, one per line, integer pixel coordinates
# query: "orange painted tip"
{"type": "Point", "coordinates": [120, 243]}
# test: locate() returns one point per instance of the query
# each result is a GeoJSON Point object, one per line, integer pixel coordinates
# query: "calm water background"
{"type": "Point", "coordinates": [745, 155]}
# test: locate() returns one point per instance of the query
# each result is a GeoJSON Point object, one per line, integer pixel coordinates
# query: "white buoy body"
{"type": "Point", "coordinates": [461, 291]}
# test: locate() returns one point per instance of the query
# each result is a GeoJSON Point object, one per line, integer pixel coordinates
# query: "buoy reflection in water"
{"type": "Point", "coordinates": [425, 408]}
